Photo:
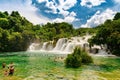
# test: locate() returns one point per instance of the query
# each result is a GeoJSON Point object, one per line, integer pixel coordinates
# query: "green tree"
{"type": "Point", "coordinates": [15, 14]}
{"type": "Point", "coordinates": [4, 40]}
{"type": "Point", "coordinates": [16, 33]}
{"type": "Point", "coordinates": [117, 16]}
{"type": "Point", "coordinates": [2, 15]}
{"type": "Point", "coordinates": [109, 34]}
{"type": "Point", "coordinates": [4, 23]}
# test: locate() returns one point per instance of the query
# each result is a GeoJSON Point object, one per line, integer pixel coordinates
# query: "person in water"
{"type": "Point", "coordinates": [3, 65]}
{"type": "Point", "coordinates": [11, 70]}
{"type": "Point", "coordinates": [6, 72]}
{"type": "Point", "coordinates": [11, 64]}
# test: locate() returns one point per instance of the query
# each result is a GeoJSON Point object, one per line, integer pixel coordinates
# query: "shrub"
{"type": "Point", "coordinates": [86, 59]}
{"type": "Point", "coordinates": [77, 58]}
{"type": "Point", "coordinates": [73, 61]}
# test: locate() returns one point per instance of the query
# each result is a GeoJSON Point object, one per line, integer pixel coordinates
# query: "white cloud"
{"type": "Point", "coordinates": [69, 18]}
{"type": "Point", "coordinates": [26, 10]}
{"type": "Point", "coordinates": [73, 14]}
{"type": "Point", "coordinates": [58, 20]}
{"type": "Point", "coordinates": [67, 4]}
{"type": "Point", "coordinates": [99, 18]}
{"type": "Point", "coordinates": [64, 13]}
{"type": "Point", "coordinates": [117, 1]}
{"type": "Point", "coordinates": [52, 5]}
{"type": "Point", "coordinates": [91, 3]}
{"type": "Point", "coordinates": [40, 1]}
{"type": "Point", "coordinates": [63, 6]}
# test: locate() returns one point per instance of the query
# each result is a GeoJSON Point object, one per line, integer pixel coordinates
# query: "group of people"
{"type": "Point", "coordinates": [8, 70]}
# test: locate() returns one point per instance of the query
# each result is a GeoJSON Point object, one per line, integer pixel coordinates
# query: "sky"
{"type": "Point", "coordinates": [79, 13]}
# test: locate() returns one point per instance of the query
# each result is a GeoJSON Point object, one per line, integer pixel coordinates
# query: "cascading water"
{"type": "Point", "coordinates": [69, 47]}
{"type": "Point", "coordinates": [44, 47]}
{"type": "Point", "coordinates": [49, 45]}
{"type": "Point", "coordinates": [65, 45]}
{"type": "Point", "coordinates": [34, 46]}
{"type": "Point", "coordinates": [60, 43]}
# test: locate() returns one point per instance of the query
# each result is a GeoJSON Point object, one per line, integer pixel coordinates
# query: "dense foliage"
{"type": "Point", "coordinates": [77, 58]}
{"type": "Point", "coordinates": [109, 34]}
{"type": "Point", "coordinates": [16, 32]}
{"type": "Point", "coordinates": [84, 31]}
{"type": "Point", "coordinates": [52, 31]}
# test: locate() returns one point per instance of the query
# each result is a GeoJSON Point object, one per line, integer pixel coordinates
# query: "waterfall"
{"type": "Point", "coordinates": [34, 46]}
{"type": "Point", "coordinates": [66, 45]}
{"type": "Point", "coordinates": [102, 52]}
{"type": "Point", "coordinates": [63, 47]}
{"type": "Point", "coordinates": [60, 43]}
{"type": "Point", "coordinates": [44, 47]}
{"type": "Point", "coordinates": [47, 46]}
{"type": "Point", "coordinates": [69, 47]}
{"type": "Point", "coordinates": [50, 45]}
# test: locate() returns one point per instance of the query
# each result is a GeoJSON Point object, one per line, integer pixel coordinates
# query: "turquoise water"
{"type": "Point", "coordinates": [48, 66]}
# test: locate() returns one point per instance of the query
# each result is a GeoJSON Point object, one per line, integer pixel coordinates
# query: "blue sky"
{"type": "Point", "coordinates": [80, 13]}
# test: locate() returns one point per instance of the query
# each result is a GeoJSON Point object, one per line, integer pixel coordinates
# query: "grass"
{"type": "Point", "coordinates": [40, 66]}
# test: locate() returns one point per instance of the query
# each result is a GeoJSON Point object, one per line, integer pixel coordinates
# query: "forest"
{"type": "Point", "coordinates": [17, 33]}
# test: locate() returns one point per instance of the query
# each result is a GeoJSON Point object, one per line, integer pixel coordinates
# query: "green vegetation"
{"type": "Point", "coordinates": [109, 34]}
{"type": "Point", "coordinates": [84, 31]}
{"type": "Point", "coordinates": [77, 58]}
{"type": "Point", "coordinates": [54, 31]}
{"type": "Point", "coordinates": [16, 32]}
{"type": "Point", "coordinates": [41, 66]}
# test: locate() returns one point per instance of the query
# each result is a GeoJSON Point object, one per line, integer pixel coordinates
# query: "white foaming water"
{"type": "Point", "coordinates": [47, 46]}
{"type": "Point", "coordinates": [33, 46]}
{"type": "Point", "coordinates": [65, 45]}
{"type": "Point", "coordinates": [60, 43]}
{"type": "Point", "coordinates": [69, 47]}
{"type": "Point", "coordinates": [44, 47]}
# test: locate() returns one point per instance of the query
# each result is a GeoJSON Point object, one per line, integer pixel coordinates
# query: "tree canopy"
{"type": "Point", "coordinates": [15, 34]}
{"type": "Point", "coordinates": [109, 34]}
